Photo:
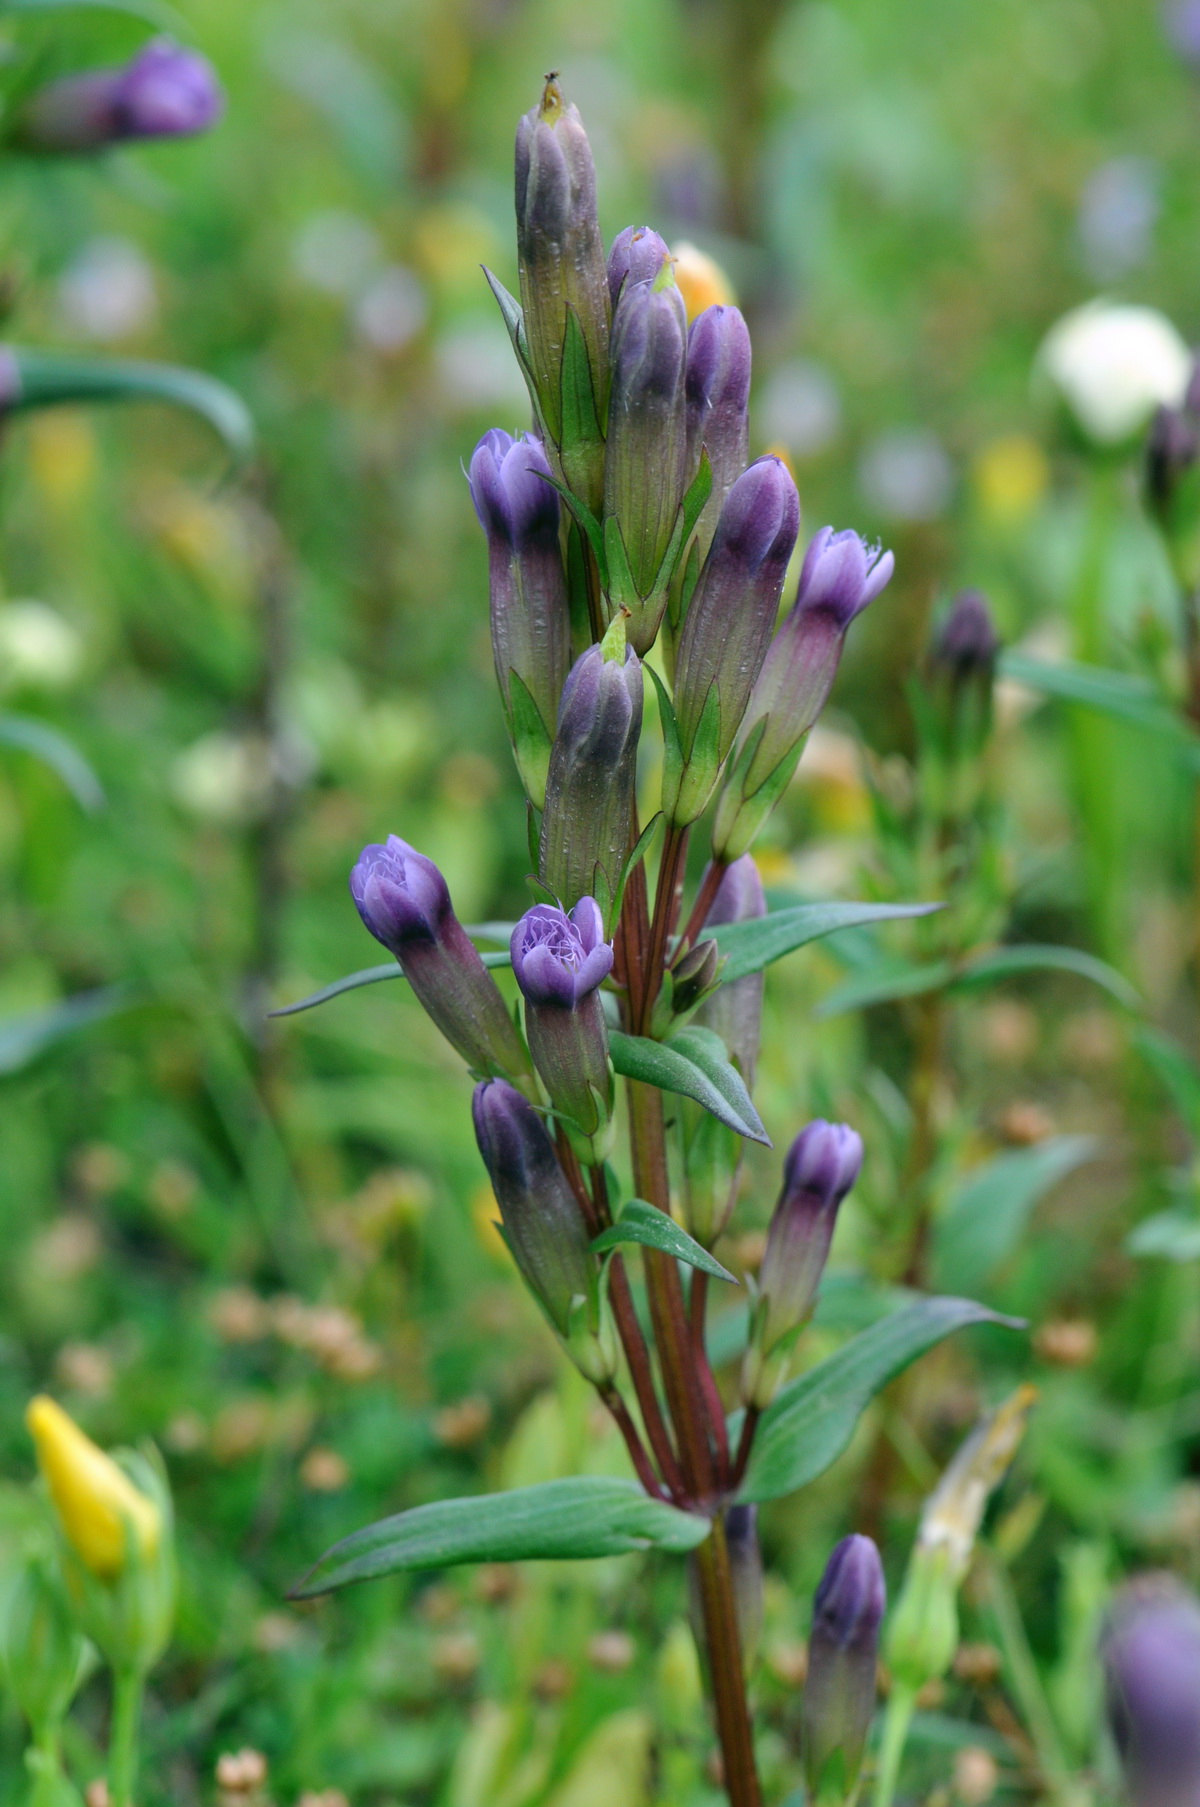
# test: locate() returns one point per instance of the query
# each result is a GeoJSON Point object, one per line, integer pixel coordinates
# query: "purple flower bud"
{"type": "Point", "coordinates": [1181, 21]}
{"type": "Point", "coordinates": [589, 793]}
{"type": "Point", "coordinates": [712, 1154]}
{"type": "Point", "coordinates": [543, 1225]}
{"type": "Point", "coordinates": [966, 641]}
{"type": "Point", "coordinates": [405, 903]}
{"type": "Point", "coordinates": [821, 1167]}
{"type": "Point", "coordinates": [1151, 1654]}
{"type": "Point", "coordinates": [840, 576]}
{"type": "Point", "coordinates": [560, 962]}
{"type": "Point", "coordinates": [531, 627]}
{"type": "Point", "coordinates": [693, 975]}
{"type": "Point", "coordinates": [718, 405]}
{"type": "Point", "coordinates": [637, 255]}
{"type": "Point", "coordinates": [165, 92]}
{"type": "Point", "coordinates": [746, 1563]}
{"type": "Point", "coordinates": [728, 627]}
{"type": "Point", "coordinates": [843, 1652]}
{"type": "Point", "coordinates": [559, 249]}
{"type": "Point", "coordinates": [646, 461]}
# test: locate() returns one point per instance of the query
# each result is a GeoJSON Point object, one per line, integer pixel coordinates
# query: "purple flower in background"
{"type": "Point", "coordinates": [1181, 22]}
{"type": "Point", "coordinates": [559, 962]}
{"type": "Point", "coordinates": [1151, 1655]}
{"type": "Point", "coordinates": [166, 91]}
{"type": "Point", "coordinates": [821, 1167]}
{"type": "Point", "coordinates": [560, 959]}
{"type": "Point", "coordinates": [843, 1650]}
{"type": "Point", "coordinates": [967, 640]}
{"type": "Point", "coordinates": [405, 903]}
{"type": "Point", "coordinates": [637, 255]}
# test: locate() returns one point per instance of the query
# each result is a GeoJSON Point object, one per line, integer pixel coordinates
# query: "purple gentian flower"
{"type": "Point", "coordinates": [637, 255]}
{"type": "Point", "coordinates": [593, 769]}
{"type": "Point", "coordinates": [841, 574]}
{"type": "Point", "coordinates": [560, 959]}
{"type": "Point", "coordinates": [166, 91]}
{"type": "Point", "coordinates": [717, 389]}
{"type": "Point", "coordinates": [1151, 1654]}
{"type": "Point", "coordinates": [843, 1653]}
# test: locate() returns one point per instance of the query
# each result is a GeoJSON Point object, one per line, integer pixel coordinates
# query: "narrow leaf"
{"type": "Point", "coordinates": [1119, 694]}
{"type": "Point", "coordinates": [587, 523]}
{"type": "Point", "coordinates": [886, 981]}
{"type": "Point", "coordinates": [370, 975]}
{"type": "Point", "coordinates": [699, 490]}
{"type": "Point", "coordinates": [23, 1038]}
{"type": "Point", "coordinates": [1000, 962]}
{"type": "Point", "coordinates": [705, 1049]}
{"type": "Point", "coordinates": [48, 378]}
{"type": "Point", "coordinates": [580, 419]}
{"type": "Point", "coordinates": [749, 946]}
{"type": "Point", "coordinates": [54, 750]}
{"type": "Point", "coordinates": [813, 1419]}
{"type": "Point", "coordinates": [163, 18]}
{"type": "Point", "coordinates": [657, 1064]}
{"type": "Point", "coordinates": [645, 1223]}
{"type": "Point", "coordinates": [987, 1214]}
{"type": "Point", "coordinates": [589, 1516]}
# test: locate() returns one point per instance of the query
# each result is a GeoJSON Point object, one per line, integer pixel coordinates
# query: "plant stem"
{"type": "Point", "coordinates": [745, 1443]}
{"type": "Point", "coordinates": [642, 1465]}
{"type": "Point", "coordinates": [709, 887]}
{"type": "Point", "coordinates": [666, 900]}
{"type": "Point", "coordinates": [725, 1666]}
{"type": "Point", "coordinates": [123, 1736]}
{"type": "Point", "coordinates": [891, 1749]}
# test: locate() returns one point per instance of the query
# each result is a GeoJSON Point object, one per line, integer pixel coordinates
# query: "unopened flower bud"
{"type": "Point", "coordinates": [1173, 480]}
{"type": "Point", "coordinates": [727, 629]}
{"type": "Point", "coordinates": [718, 406]}
{"type": "Point", "coordinates": [841, 574]}
{"type": "Point", "coordinates": [821, 1167]}
{"type": "Point", "coordinates": [954, 713]}
{"type": "Point", "coordinates": [593, 765]}
{"type": "Point", "coordinates": [712, 1153]}
{"type": "Point", "coordinates": [560, 962]}
{"type": "Point", "coordinates": [637, 255]}
{"type": "Point", "coordinates": [542, 1222]}
{"type": "Point", "coordinates": [164, 92]}
{"type": "Point", "coordinates": [646, 462]}
{"type": "Point", "coordinates": [531, 628]}
{"type": "Point", "coordinates": [1151, 1655]}
{"type": "Point", "coordinates": [405, 902]}
{"type": "Point", "coordinates": [103, 1516]}
{"type": "Point", "coordinates": [843, 1652]}
{"type": "Point", "coordinates": [693, 976]}
{"type": "Point", "coordinates": [560, 252]}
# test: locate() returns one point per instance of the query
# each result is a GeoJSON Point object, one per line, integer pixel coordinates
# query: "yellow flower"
{"type": "Point", "coordinates": [97, 1504]}
{"type": "Point", "coordinates": [1011, 475]}
{"type": "Point", "coordinates": [700, 279]}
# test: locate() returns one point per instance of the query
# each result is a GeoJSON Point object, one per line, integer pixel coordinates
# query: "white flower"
{"type": "Point", "coordinates": [38, 647]}
{"type": "Point", "coordinates": [1113, 364]}
{"type": "Point", "coordinates": [109, 291]}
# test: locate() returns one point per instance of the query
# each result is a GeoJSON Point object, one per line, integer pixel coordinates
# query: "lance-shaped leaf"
{"type": "Point", "coordinates": [23, 1038]}
{"type": "Point", "coordinates": [749, 946]}
{"type": "Point", "coordinates": [985, 1218]}
{"type": "Point", "coordinates": [375, 975]}
{"type": "Point", "coordinates": [1028, 957]}
{"type": "Point", "coordinates": [1119, 694]}
{"type": "Point", "coordinates": [54, 750]}
{"type": "Point", "coordinates": [693, 1068]}
{"type": "Point", "coordinates": [886, 981]}
{"type": "Point", "coordinates": [589, 1516]}
{"type": "Point", "coordinates": [812, 1421]}
{"type": "Point", "coordinates": [46, 379]}
{"type": "Point", "coordinates": [654, 1229]}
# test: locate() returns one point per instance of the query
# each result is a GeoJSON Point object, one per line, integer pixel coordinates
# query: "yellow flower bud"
{"type": "Point", "coordinates": [98, 1506]}
{"type": "Point", "coordinates": [700, 279]}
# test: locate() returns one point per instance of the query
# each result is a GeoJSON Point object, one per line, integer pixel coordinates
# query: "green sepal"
{"type": "Point", "coordinates": [581, 443]}
{"type": "Point", "coordinates": [672, 752]}
{"type": "Point", "coordinates": [531, 739]}
{"type": "Point", "coordinates": [514, 319]}
{"type": "Point", "coordinates": [622, 591]}
{"type": "Point", "coordinates": [587, 521]}
{"type": "Point", "coordinates": [701, 766]}
{"type": "Point", "coordinates": [646, 1224]}
{"type": "Point", "coordinates": [640, 849]}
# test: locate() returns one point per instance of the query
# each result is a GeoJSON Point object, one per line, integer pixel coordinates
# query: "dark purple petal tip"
{"type": "Point", "coordinates": [560, 958]}
{"type": "Point", "coordinates": [400, 894]}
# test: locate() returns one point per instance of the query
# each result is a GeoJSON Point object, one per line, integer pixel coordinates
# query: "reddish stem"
{"type": "Point", "coordinates": [704, 901]}
{"type": "Point", "coordinates": [698, 1311]}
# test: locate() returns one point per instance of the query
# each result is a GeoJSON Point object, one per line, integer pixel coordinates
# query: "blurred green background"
{"type": "Point", "coordinates": [267, 1246]}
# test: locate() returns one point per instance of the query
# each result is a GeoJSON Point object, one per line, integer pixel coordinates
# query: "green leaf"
{"type": "Point", "coordinates": [699, 490]}
{"type": "Point", "coordinates": [49, 378]}
{"type": "Point", "coordinates": [813, 1419]}
{"type": "Point", "coordinates": [163, 18]}
{"type": "Point", "coordinates": [1173, 1235]}
{"type": "Point", "coordinates": [589, 1516]}
{"type": "Point", "coordinates": [586, 521]}
{"type": "Point", "coordinates": [989, 1210]}
{"type": "Point", "coordinates": [23, 1038]}
{"type": "Point", "coordinates": [54, 750]}
{"type": "Point", "coordinates": [1178, 1072]}
{"type": "Point", "coordinates": [749, 946]}
{"type": "Point", "coordinates": [673, 1069]}
{"type": "Point", "coordinates": [580, 419]}
{"type": "Point", "coordinates": [1119, 694]}
{"type": "Point", "coordinates": [1001, 962]}
{"type": "Point", "coordinates": [514, 321]}
{"type": "Point", "coordinates": [372, 975]}
{"type": "Point", "coordinates": [885, 981]}
{"type": "Point", "coordinates": [705, 1049]}
{"type": "Point", "coordinates": [645, 1223]}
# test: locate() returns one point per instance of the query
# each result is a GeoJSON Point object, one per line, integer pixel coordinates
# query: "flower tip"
{"type": "Point", "coordinates": [97, 1504]}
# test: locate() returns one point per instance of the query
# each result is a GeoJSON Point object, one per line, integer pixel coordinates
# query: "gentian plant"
{"type": "Point", "coordinates": [629, 535]}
